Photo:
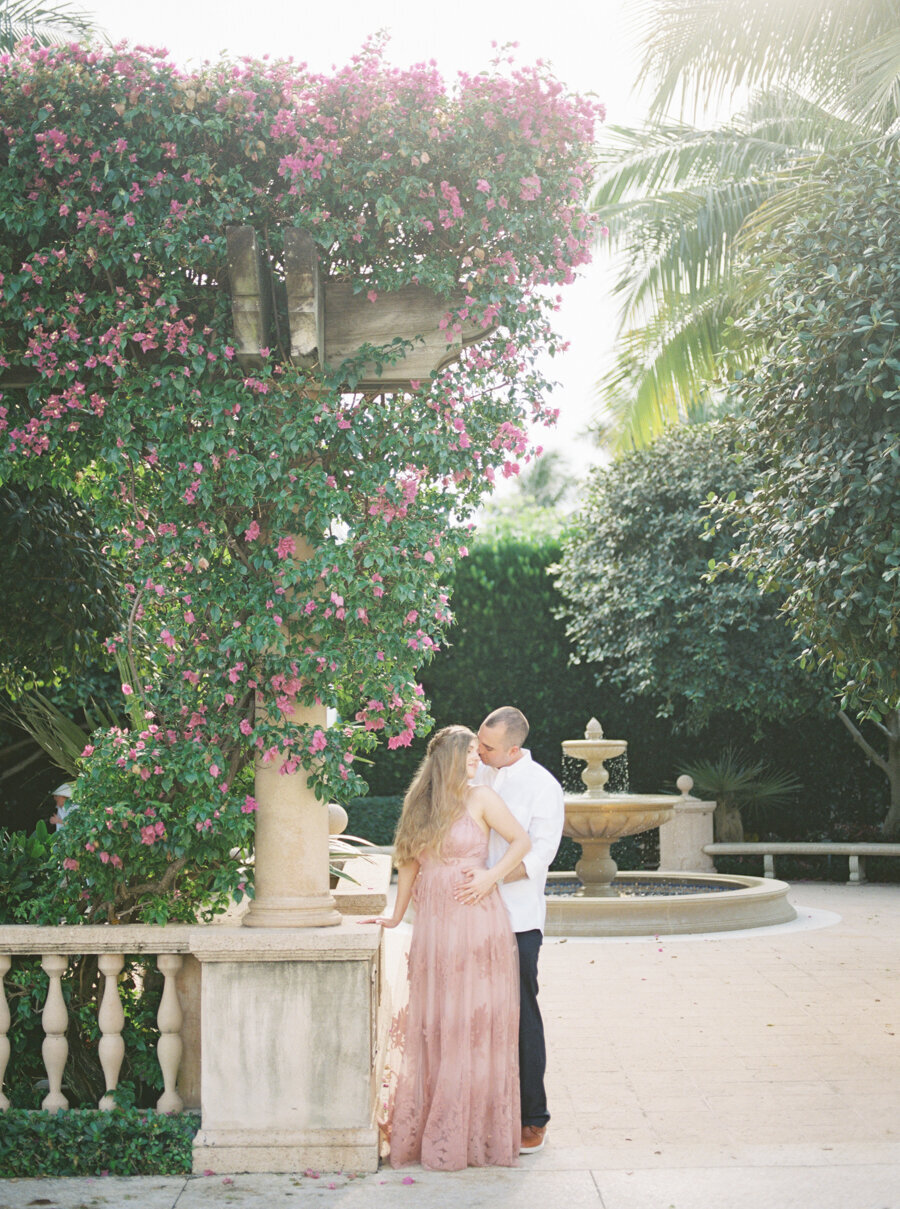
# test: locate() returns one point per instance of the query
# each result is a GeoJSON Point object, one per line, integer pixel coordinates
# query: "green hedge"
{"type": "Point", "coordinates": [507, 647]}
{"type": "Point", "coordinates": [89, 1142]}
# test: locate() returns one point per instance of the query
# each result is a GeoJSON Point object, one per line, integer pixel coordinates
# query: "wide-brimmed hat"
{"type": "Point", "coordinates": [64, 791]}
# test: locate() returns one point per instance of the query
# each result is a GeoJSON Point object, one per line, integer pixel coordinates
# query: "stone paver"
{"type": "Point", "coordinates": [785, 1035]}
{"type": "Point", "coordinates": [738, 1071]}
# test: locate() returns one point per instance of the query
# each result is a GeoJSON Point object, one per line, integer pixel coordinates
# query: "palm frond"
{"type": "Point", "coordinates": [667, 371]}
{"type": "Point", "coordinates": [682, 244]}
{"type": "Point", "coordinates": [797, 195]}
{"type": "Point", "coordinates": [48, 24]}
{"type": "Point", "coordinates": [674, 197]}
{"type": "Point", "coordinates": [874, 69]}
{"type": "Point", "coordinates": [773, 130]}
{"type": "Point", "coordinates": [683, 206]}
{"type": "Point", "coordinates": [700, 51]}
{"type": "Point", "coordinates": [55, 733]}
{"type": "Point", "coordinates": [736, 777]}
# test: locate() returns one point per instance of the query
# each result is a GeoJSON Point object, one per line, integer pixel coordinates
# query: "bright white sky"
{"type": "Point", "coordinates": [586, 42]}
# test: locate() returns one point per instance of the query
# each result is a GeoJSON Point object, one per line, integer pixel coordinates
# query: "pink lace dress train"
{"type": "Point", "coordinates": [456, 1102]}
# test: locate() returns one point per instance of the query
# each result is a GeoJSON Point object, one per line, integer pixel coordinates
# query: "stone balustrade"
{"type": "Point", "coordinates": [55, 946]}
{"type": "Point", "coordinates": [274, 1033]}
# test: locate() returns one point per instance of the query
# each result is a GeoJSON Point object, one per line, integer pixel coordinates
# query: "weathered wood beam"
{"type": "Point", "coordinates": [412, 313]}
{"type": "Point", "coordinates": [251, 297]}
{"type": "Point", "coordinates": [305, 298]}
{"type": "Point", "coordinates": [18, 378]}
{"type": "Point", "coordinates": [329, 323]}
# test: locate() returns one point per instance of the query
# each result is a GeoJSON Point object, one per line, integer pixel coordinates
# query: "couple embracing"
{"type": "Point", "coordinates": [481, 823]}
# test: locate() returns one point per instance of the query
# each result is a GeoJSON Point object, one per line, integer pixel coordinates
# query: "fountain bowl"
{"type": "Point", "coordinates": [615, 815]}
{"type": "Point", "coordinates": [716, 903]}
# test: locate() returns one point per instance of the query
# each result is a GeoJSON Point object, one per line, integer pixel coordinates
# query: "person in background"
{"type": "Point", "coordinates": [535, 799]}
{"type": "Point", "coordinates": [62, 798]}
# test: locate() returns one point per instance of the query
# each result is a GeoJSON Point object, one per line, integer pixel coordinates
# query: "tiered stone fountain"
{"type": "Point", "coordinates": [600, 903]}
{"type": "Point", "coordinates": [596, 819]}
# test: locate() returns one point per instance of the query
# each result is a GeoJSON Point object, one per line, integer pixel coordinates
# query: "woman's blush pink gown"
{"type": "Point", "coordinates": [456, 1102]}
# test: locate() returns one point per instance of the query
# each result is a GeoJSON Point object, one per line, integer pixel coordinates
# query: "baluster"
{"type": "Point", "coordinates": [54, 1018]}
{"type": "Point", "coordinates": [169, 1019]}
{"type": "Point", "coordinates": [111, 1019]}
{"type": "Point", "coordinates": [4, 1028]}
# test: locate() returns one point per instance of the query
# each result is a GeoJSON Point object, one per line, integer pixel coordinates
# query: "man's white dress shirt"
{"type": "Point", "coordinates": [535, 798]}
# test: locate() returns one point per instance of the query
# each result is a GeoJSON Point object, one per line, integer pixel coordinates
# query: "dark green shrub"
{"type": "Point", "coordinates": [140, 989]}
{"type": "Point", "coordinates": [88, 1142]}
{"type": "Point", "coordinates": [375, 818]}
{"type": "Point", "coordinates": [32, 892]}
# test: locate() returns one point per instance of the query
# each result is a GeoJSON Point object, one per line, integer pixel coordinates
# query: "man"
{"type": "Point", "coordinates": [535, 798]}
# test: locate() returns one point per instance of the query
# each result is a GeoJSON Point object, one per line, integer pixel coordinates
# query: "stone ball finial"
{"type": "Point", "coordinates": [337, 818]}
{"type": "Point", "coordinates": [593, 730]}
{"type": "Point", "coordinates": [685, 784]}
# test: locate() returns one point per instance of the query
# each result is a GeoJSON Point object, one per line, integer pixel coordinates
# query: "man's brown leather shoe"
{"type": "Point", "coordinates": [533, 1137]}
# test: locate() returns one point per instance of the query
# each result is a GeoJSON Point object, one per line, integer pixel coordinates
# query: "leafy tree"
{"type": "Point", "coordinates": [826, 78]}
{"type": "Point", "coordinates": [282, 535]}
{"type": "Point", "coordinates": [45, 23]}
{"type": "Point", "coordinates": [60, 595]}
{"type": "Point", "coordinates": [640, 609]}
{"type": "Point", "coordinates": [822, 527]}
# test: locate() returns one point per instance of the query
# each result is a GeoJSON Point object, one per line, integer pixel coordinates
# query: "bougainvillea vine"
{"type": "Point", "coordinates": [281, 535]}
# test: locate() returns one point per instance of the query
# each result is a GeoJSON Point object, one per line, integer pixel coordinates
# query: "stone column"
{"type": "Point", "coordinates": [291, 878]}
{"type": "Point", "coordinates": [682, 839]}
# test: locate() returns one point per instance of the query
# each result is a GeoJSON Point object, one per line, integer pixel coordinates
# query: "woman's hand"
{"type": "Point", "coordinates": [476, 884]}
{"type": "Point", "coordinates": [384, 920]}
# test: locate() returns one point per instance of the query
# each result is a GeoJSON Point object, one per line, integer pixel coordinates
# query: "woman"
{"type": "Point", "coordinates": [456, 1102]}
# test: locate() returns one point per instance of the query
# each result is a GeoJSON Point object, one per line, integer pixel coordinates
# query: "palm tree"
{"type": "Point", "coordinates": [46, 23]}
{"type": "Point", "coordinates": [676, 196]}
{"type": "Point", "coordinates": [845, 54]}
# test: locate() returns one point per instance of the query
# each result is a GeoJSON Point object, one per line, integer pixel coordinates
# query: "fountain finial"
{"type": "Point", "coordinates": [593, 730]}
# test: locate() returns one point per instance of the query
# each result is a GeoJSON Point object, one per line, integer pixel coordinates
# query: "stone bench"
{"type": "Point", "coordinates": [856, 853]}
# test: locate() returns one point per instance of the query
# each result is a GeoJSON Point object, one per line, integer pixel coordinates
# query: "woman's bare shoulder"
{"type": "Point", "coordinates": [482, 796]}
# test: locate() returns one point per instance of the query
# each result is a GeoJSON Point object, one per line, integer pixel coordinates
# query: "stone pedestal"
{"type": "Point", "coordinates": [596, 869]}
{"type": "Point", "coordinates": [289, 1044]}
{"type": "Point", "coordinates": [291, 848]}
{"type": "Point", "coordinates": [682, 838]}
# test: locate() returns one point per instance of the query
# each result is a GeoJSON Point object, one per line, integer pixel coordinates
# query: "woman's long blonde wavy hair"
{"type": "Point", "coordinates": [436, 796]}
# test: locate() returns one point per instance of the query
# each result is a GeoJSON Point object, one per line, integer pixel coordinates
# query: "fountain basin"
{"type": "Point", "coordinates": [730, 903]}
{"type": "Point", "coordinates": [615, 815]}
{"type": "Point", "coordinates": [597, 821]}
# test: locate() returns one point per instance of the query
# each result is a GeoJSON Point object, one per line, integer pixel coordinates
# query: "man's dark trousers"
{"type": "Point", "coordinates": [532, 1047]}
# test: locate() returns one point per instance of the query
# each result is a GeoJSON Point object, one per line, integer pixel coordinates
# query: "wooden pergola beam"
{"type": "Point", "coordinates": [251, 295]}
{"type": "Point", "coordinates": [330, 322]}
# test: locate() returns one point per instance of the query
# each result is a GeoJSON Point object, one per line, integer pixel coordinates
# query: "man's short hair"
{"type": "Point", "coordinates": [513, 721]}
